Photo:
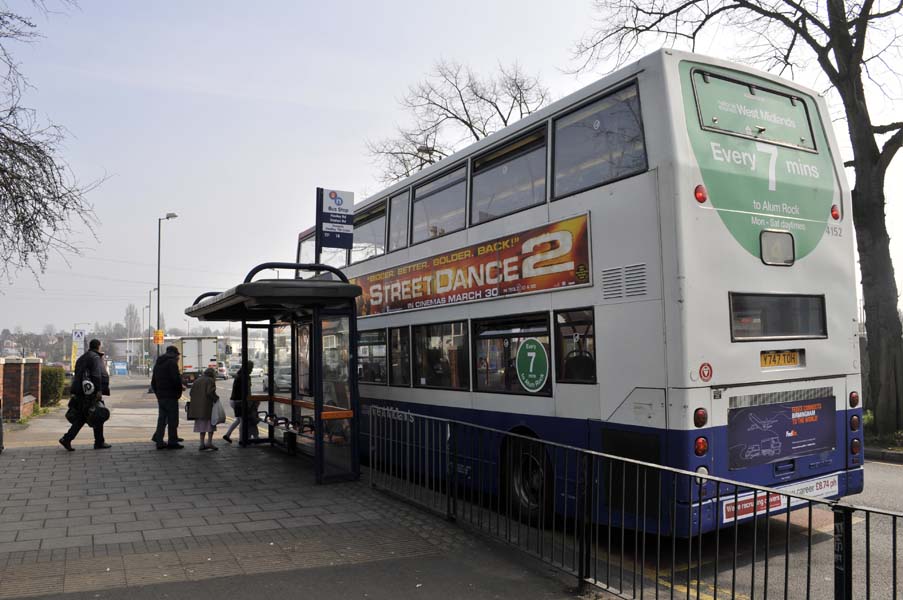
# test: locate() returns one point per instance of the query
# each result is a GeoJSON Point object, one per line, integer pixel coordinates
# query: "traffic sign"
{"type": "Point", "coordinates": [158, 337]}
{"type": "Point", "coordinates": [78, 346]}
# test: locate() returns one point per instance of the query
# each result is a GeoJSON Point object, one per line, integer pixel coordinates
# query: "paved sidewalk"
{"type": "Point", "coordinates": [106, 524]}
{"type": "Point", "coordinates": [133, 417]}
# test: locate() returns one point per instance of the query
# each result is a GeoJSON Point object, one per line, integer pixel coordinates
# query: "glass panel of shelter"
{"type": "Point", "coordinates": [258, 357]}
{"type": "Point", "coordinates": [281, 379]}
{"type": "Point", "coordinates": [337, 450]}
{"type": "Point", "coordinates": [302, 420]}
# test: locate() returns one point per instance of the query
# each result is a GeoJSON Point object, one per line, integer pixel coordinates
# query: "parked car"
{"type": "Point", "coordinates": [257, 372]}
{"type": "Point", "coordinates": [234, 368]}
{"type": "Point", "coordinates": [282, 380]}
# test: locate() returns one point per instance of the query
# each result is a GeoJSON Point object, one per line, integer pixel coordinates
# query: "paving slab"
{"type": "Point", "coordinates": [134, 523]}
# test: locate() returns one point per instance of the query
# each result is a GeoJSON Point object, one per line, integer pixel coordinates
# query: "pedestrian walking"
{"type": "Point", "coordinates": [242, 379]}
{"type": "Point", "coordinates": [88, 384]}
{"type": "Point", "coordinates": [200, 408]}
{"type": "Point", "coordinates": [166, 384]}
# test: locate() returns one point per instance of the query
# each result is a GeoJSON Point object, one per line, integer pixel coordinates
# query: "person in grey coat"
{"type": "Point", "coordinates": [203, 397]}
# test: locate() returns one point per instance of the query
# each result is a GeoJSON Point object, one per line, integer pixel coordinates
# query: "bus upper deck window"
{"type": "Point", "coordinates": [777, 248]}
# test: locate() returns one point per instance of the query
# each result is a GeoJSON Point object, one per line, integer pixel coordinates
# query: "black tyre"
{"type": "Point", "coordinates": [527, 484]}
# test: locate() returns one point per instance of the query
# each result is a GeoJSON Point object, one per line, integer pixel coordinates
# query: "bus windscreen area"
{"type": "Point", "coordinates": [772, 316]}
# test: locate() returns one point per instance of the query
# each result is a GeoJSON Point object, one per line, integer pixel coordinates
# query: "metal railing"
{"type": "Point", "coordinates": [635, 529]}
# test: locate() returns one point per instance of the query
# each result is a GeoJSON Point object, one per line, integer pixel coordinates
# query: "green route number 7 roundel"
{"type": "Point", "coordinates": [532, 365]}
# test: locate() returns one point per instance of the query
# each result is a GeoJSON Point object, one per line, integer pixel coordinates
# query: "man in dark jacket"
{"type": "Point", "coordinates": [87, 385]}
{"type": "Point", "coordinates": [166, 383]}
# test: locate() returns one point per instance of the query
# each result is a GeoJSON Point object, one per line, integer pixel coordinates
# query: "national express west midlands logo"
{"type": "Point", "coordinates": [389, 412]}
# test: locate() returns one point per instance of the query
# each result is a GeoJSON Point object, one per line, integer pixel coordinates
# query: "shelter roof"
{"type": "Point", "coordinates": [273, 299]}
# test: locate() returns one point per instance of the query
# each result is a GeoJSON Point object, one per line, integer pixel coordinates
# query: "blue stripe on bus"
{"type": "Point", "coordinates": [675, 450]}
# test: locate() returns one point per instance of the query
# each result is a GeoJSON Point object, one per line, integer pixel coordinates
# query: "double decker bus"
{"type": "Point", "coordinates": [659, 266]}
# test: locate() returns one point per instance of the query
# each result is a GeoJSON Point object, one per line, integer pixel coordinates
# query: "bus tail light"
{"type": "Point", "coordinates": [835, 212]}
{"type": "Point", "coordinates": [854, 399]}
{"type": "Point", "coordinates": [701, 446]}
{"type": "Point", "coordinates": [855, 446]}
{"type": "Point", "coordinates": [854, 423]}
{"type": "Point", "coordinates": [701, 194]}
{"type": "Point", "coordinates": [700, 417]}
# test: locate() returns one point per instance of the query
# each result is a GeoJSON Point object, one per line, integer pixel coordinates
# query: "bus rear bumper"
{"type": "Point", "coordinates": [747, 505]}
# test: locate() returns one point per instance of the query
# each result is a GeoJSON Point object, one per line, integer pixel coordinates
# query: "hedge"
{"type": "Point", "coordinates": [53, 382]}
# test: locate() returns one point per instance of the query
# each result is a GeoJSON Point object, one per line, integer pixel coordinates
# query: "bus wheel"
{"type": "Point", "coordinates": [528, 481]}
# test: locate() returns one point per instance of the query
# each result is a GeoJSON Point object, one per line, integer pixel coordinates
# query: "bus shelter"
{"type": "Point", "coordinates": [306, 391]}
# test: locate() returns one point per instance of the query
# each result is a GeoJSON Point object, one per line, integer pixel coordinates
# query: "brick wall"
{"type": "Point", "coordinates": [31, 385]}
{"type": "Point", "coordinates": [12, 388]}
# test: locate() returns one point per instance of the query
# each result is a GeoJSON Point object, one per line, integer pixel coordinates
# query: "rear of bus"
{"type": "Point", "coordinates": [763, 349]}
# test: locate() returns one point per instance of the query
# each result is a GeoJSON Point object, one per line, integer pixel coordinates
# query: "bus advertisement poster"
{"type": "Point", "coordinates": [553, 256]}
{"type": "Point", "coordinates": [772, 432]}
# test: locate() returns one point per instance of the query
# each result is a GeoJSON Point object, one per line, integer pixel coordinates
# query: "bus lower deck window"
{"type": "Point", "coordinates": [440, 356]}
{"type": "Point", "coordinates": [371, 352]}
{"type": "Point", "coordinates": [399, 357]}
{"type": "Point", "coordinates": [576, 351]}
{"type": "Point", "coordinates": [496, 343]}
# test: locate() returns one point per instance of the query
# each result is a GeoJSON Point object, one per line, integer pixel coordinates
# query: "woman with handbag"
{"type": "Point", "coordinates": [201, 408]}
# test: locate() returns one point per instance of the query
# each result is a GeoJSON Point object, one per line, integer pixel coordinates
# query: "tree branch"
{"type": "Point", "coordinates": [889, 150]}
{"type": "Point", "coordinates": [451, 107]}
{"type": "Point", "coordinates": [885, 14]}
{"type": "Point", "coordinates": [887, 128]}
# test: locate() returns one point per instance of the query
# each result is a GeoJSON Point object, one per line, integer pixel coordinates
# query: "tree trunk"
{"type": "Point", "coordinates": [882, 322]}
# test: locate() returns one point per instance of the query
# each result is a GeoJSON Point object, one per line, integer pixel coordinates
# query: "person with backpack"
{"type": "Point", "coordinates": [87, 389]}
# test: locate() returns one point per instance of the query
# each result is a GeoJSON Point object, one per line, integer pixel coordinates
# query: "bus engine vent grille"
{"type": "Point", "coordinates": [613, 283]}
{"type": "Point", "coordinates": [635, 280]}
{"type": "Point", "coordinates": [624, 282]}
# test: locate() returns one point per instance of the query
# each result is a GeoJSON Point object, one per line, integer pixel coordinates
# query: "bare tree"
{"type": "Point", "coordinates": [453, 107]}
{"type": "Point", "coordinates": [852, 44]}
{"type": "Point", "coordinates": [132, 320]}
{"type": "Point", "coordinates": [39, 196]}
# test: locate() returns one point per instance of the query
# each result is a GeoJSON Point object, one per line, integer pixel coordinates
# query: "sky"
{"type": "Point", "coordinates": [231, 113]}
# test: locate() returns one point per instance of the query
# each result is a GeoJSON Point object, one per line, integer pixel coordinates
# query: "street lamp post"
{"type": "Point", "coordinates": [143, 361]}
{"type": "Point", "coordinates": [160, 220]}
{"type": "Point", "coordinates": [150, 304]}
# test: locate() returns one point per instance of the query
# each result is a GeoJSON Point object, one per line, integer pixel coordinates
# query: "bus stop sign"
{"type": "Point", "coordinates": [335, 219]}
